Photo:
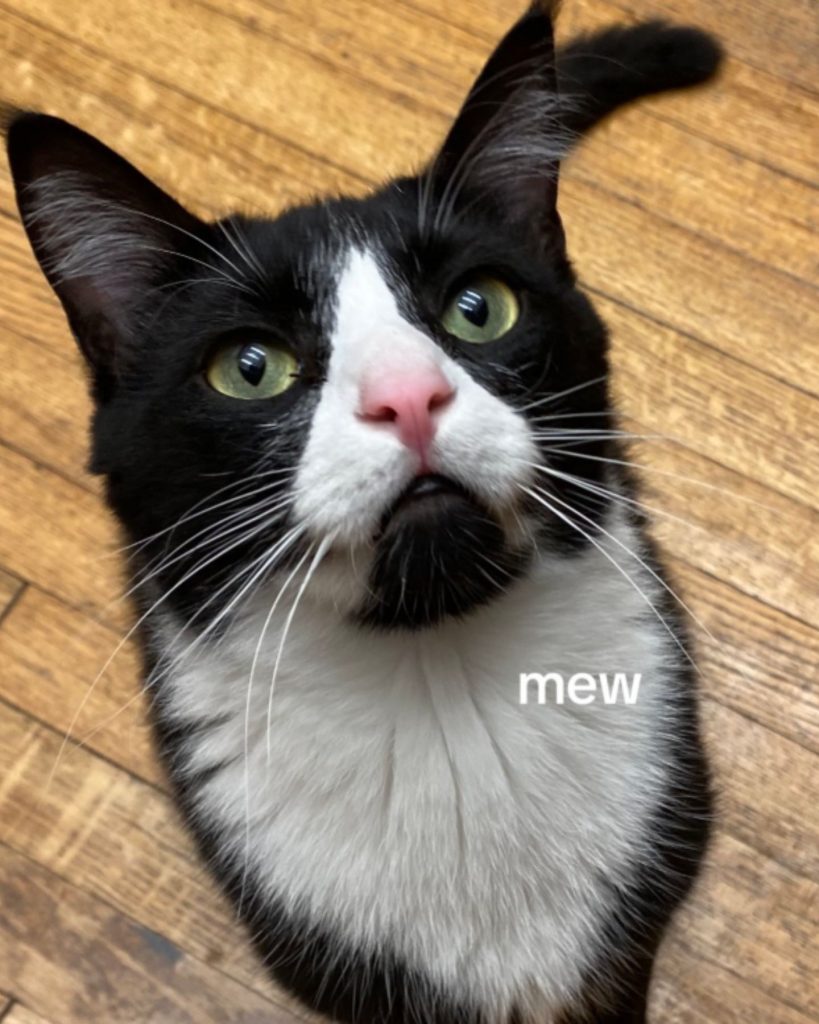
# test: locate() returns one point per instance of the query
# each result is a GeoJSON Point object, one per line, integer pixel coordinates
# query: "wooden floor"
{"type": "Point", "coordinates": [693, 221]}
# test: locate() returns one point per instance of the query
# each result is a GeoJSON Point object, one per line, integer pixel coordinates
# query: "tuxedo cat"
{"type": "Point", "coordinates": [367, 466]}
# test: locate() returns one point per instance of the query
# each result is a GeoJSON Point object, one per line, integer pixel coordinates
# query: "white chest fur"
{"type": "Point", "coordinates": [404, 795]}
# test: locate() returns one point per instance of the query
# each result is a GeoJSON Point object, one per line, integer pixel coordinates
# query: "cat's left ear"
{"type": "Point", "coordinates": [505, 147]}
{"type": "Point", "coordinates": [103, 233]}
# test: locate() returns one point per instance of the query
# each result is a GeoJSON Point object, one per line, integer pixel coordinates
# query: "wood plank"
{"type": "Point", "coordinates": [644, 158]}
{"type": "Point", "coordinates": [757, 116]}
{"type": "Point", "coordinates": [59, 536]}
{"type": "Point", "coordinates": [52, 656]}
{"type": "Point", "coordinates": [739, 204]}
{"type": "Point", "coordinates": [731, 413]}
{"type": "Point", "coordinates": [749, 111]}
{"type": "Point", "coordinates": [749, 537]}
{"type": "Point", "coordinates": [764, 786]}
{"type": "Point", "coordinates": [436, 55]}
{"type": "Point", "coordinates": [641, 157]}
{"type": "Point", "coordinates": [752, 313]}
{"type": "Point", "coordinates": [757, 919]}
{"type": "Point", "coordinates": [690, 990]}
{"type": "Point", "coordinates": [45, 409]}
{"type": "Point", "coordinates": [768, 37]}
{"type": "Point", "coordinates": [197, 150]}
{"type": "Point", "coordinates": [29, 306]}
{"type": "Point", "coordinates": [322, 115]}
{"type": "Point", "coordinates": [755, 660]}
{"type": "Point", "coordinates": [76, 960]}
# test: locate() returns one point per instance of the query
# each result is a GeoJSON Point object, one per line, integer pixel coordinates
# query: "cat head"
{"type": "Point", "coordinates": [400, 398]}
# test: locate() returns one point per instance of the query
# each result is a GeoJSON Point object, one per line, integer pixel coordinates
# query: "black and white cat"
{"type": "Point", "coordinates": [365, 456]}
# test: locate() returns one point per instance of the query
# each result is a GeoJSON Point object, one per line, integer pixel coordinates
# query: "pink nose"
{"type": "Point", "coordinates": [407, 403]}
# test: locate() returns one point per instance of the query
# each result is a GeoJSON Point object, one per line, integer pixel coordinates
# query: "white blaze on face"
{"type": "Point", "coordinates": [352, 468]}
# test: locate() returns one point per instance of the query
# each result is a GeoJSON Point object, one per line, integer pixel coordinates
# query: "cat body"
{"type": "Point", "coordinates": [366, 461]}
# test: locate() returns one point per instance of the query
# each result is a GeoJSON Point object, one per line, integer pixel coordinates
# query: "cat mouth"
{"type": "Point", "coordinates": [429, 494]}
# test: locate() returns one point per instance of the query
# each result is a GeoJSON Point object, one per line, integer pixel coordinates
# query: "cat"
{"type": "Point", "coordinates": [366, 462]}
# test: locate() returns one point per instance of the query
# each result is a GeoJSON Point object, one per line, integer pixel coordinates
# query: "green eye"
{"type": "Point", "coordinates": [256, 369]}
{"type": "Point", "coordinates": [481, 311]}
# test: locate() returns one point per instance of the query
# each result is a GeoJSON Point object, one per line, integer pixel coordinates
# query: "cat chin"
{"type": "Point", "coordinates": [440, 554]}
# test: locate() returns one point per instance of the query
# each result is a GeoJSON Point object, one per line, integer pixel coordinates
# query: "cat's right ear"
{"type": "Point", "coordinates": [506, 143]}
{"type": "Point", "coordinates": [102, 232]}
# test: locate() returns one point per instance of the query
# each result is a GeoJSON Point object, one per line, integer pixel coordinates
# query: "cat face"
{"type": "Point", "coordinates": [357, 395]}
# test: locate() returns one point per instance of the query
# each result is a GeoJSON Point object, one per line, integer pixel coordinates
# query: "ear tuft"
{"type": "Point", "coordinates": [81, 233]}
{"type": "Point", "coordinates": [505, 146]}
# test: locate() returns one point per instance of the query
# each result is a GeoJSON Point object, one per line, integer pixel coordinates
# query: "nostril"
{"type": "Point", "coordinates": [381, 414]}
{"type": "Point", "coordinates": [440, 399]}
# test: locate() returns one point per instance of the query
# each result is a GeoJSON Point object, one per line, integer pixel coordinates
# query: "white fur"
{"type": "Point", "coordinates": [403, 795]}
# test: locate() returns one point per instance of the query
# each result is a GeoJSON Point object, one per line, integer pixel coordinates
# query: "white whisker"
{"type": "Point", "coordinates": [322, 550]}
{"type": "Point", "coordinates": [262, 512]}
{"type": "Point", "coordinates": [139, 622]}
{"type": "Point", "coordinates": [543, 499]}
{"type": "Point", "coordinates": [671, 475]}
{"type": "Point", "coordinates": [254, 663]}
{"type": "Point", "coordinates": [548, 399]}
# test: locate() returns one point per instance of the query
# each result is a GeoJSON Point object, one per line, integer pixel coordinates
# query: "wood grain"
{"type": "Point", "coordinates": [56, 534]}
{"type": "Point", "coordinates": [20, 1015]}
{"type": "Point", "coordinates": [692, 990]}
{"type": "Point", "coordinates": [752, 658]}
{"type": "Point", "coordinates": [45, 416]}
{"type": "Point", "coordinates": [693, 222]}
{"type": "Point", "coordinates": [9, 589]}
{"type": "Point", "coordinates": [56, 935]}
{"type": "Point", "coordinates": [69, 671]}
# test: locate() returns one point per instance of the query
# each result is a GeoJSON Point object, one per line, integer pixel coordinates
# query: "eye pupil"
{"type": "Point", "coordinates": [252, 361]}
{"type": "Point", "coordinates": [253, 370]}
{"type": "Point", "coordinates": [474, 307]}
